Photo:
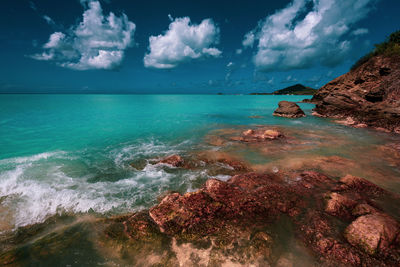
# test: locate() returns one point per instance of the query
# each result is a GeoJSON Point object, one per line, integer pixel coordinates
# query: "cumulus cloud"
{"type": "Point", "coordinates": [306, 33]}
{"type": "Point", "coordinates": [182, 42]}
{"type": "Point", "coordinates": [97, 42]}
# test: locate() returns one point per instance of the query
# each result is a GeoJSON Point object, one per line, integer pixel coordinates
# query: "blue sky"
{"type": "Point", "coordinates": [121, 46]}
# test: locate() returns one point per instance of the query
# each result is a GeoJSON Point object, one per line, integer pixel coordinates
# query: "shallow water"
{"type": "Point", "coordinates": [71, 154]}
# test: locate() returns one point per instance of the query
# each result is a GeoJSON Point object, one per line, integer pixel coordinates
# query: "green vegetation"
{"type": "Point", "coordinates": [390, 47]}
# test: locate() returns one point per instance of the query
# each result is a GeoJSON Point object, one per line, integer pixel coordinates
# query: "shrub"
{"type": "Point", "coordinates": [390, 47]}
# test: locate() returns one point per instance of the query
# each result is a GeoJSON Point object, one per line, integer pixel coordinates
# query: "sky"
{"type": "Point", "coordinates": [191, 47]}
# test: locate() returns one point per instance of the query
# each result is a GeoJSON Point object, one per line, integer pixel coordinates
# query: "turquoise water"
{"type": "Point", "coordinates": [72, 153]}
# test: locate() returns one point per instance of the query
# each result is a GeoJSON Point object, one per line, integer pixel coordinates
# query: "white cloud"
{"type": "Point", "coordinates": [182, 42]}
{"type": "Point", "coordinates": [32, 5]}
{"type": "Point", "coordinates": [239, 51]}
{"type": "Point", "coordinates": [306, 33]}
{"type": "Point", "coordinates": [49, 20]}
{"type": "Point", "coordinates": [289, 79]}
{"type": "Point", "coordinates": [97, 42]}
{"type": "Point", "coordinates": [249, 39]}
{"type": "Point", "coordinates": [360, 31]}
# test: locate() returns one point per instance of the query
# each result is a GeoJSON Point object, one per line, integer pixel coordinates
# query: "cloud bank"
{"type": "Point", "coordinates": [182, 42]}
{"type": "Point", "coordinates": [98, 42]}
{"type": "Point", "coordinates": [306, 33]}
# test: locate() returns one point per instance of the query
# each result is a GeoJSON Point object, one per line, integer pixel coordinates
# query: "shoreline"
{"type": "Point", "coordinates": [237, 221]}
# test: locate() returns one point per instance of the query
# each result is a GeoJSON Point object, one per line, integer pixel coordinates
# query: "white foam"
{"type": "Point", "coordinates": [33, 158]}
{"type": "Point", "coordinates": [39, 186]}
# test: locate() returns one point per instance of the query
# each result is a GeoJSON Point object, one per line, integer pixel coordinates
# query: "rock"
{"type": "Point", "coordinates": [365, 95]}
{"type": "Point", "coordinates": [173, 160]}
{"type": "Point", "coordinates": [258, 135]}
{"type": "Point", "coordinates": [363, 209]}
{"type": "Point", "coordinates": [372, 232]}
{"type": "Point", "coordinates": [361, 184]}
{"type": "Point", "coordinates": [177, 212]}
{"type": "Point", "coordinates": [339, 205]}
{"type": "Point", "coordinates": [289, 110]}
{"type": "Point", "coordinates": [271, 134]}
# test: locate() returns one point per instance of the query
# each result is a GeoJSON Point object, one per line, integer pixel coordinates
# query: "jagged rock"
{"type": "Point", "coordinates": [289, 110]}
{"type": "Point", "coordinates": [369, 95]}
{"type": "Point", "coordinates": [372, 232]}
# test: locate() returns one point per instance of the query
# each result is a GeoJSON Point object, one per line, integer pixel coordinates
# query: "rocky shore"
{"type": "Point", "coordinates": [277, 217]}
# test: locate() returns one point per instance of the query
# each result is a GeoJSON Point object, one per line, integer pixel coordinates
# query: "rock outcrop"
{"type": "Point", "coordinates": [368, 95]}
{"type": "Point", "coordinates": [289, 110]}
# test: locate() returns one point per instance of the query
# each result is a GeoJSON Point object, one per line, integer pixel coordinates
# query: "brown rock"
{"type": "Point", "coordinates": [258, 135]}
{"type": "Point", "coordinates": [369, 94]}
{"type": "Point", "coordinates": [363, 209]}
{"type": "Point", "coordinates": [339, 205]}
{"type": "Point", "coordinates": [372, 232]}
{"type": "Point", "coordinates": [289, 110]}
{"type": "Point", "coordinates": [173, 160]}
{"type": "Point", "coordinates": [361, 184]}
{"type": "Point", "coordinates": [177, 212]}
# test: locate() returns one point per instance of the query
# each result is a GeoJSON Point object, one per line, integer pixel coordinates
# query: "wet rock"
{"type": "Point", "coordinates": [258, 135]}
{"type": "Point", "coordinates": [363, 209]}
{"type": "Point", "coordinates": [177, 212]}
{"type": "Point", "coordinates": [173, 160]}
{"type": "Point", "coordinates": [339, 205]}
{"type": "Point", "coordinates": [361, 185]}
{"type": "Point", "coordinates": [216, 161]}
{"type": "Point", "coordinates": [289, 110]}
{"type": "Point", "coordinates": [139, 164]}
{"type": "Point", "coordinates": [322, 237]}
{"type": "Point", "coordinates": [372, 232]}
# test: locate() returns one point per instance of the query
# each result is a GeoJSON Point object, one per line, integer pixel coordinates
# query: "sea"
{"type": "Point", "coordinates": [72, 154]}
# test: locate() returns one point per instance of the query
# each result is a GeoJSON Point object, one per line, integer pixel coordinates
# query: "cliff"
{"type": "Point", "coordinates": [369, 94]}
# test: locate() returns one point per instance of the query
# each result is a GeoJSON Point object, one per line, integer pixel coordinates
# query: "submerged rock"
{"type": "Point", "coordinates": [258, 135]}
{"type": "Point", "coordinates": [289, 110]}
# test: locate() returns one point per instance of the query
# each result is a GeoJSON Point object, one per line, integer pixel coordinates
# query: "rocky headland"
{"type": "Point", "coordinates": [369, 94]}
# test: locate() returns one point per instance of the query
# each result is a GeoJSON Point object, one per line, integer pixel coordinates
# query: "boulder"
{"type": "Point", "coordinates": [372, 233]}
{"type": "Point", "coordinates": [289, 110]}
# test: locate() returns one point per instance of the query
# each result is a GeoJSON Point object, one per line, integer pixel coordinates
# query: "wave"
{"type": "Point", "coordinates": [39, 186]}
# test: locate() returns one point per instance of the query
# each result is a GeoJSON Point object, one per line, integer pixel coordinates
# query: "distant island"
{"type": "Point", "coordinates": [297, 89]}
